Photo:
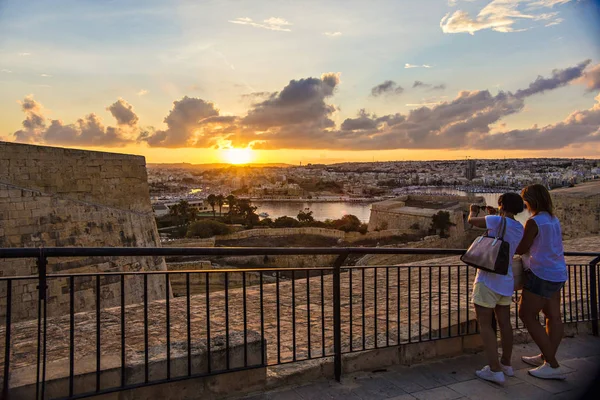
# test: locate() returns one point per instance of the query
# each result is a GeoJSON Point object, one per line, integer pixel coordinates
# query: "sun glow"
{"type": "Point", "coordinates": [238, 156]}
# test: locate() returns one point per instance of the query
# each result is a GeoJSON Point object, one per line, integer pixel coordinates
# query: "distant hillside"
{"type": "Point", "coordinates": [213, 166]}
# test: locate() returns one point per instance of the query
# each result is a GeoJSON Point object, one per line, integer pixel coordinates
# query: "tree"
{"type": "Point", "coordinates": [212, 200]}
{"type": "Point", "coordinates": [247, 210]}
{"type": "Point", "coordinates": [183, 213]}
{"type": "Point", "coordinates": [305, 216]}
{"type": "Point", "coordinates": [220, 199]}
{"type": "Point", "coordinates": [231, 202]}
{"type": "Point", "coordinates": [286, 222]}
{"type": "Point", "coordinates": [441, 221]}
{"type": "Point", "coordinates": [348, 223]}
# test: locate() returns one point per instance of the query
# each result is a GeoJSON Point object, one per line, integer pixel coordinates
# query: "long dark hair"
{"type": "Point", "coordinates": [538, 198]}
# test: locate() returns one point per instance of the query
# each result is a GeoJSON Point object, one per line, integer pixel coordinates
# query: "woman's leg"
{"type": "Point", "coordinates": [554, 326]}
{"type": "Point", "coordinates": [506, 333]}
{"type": "Point", "coordinates": [490, 342]}
{"type": "Point", "coordinates": [531, 305]}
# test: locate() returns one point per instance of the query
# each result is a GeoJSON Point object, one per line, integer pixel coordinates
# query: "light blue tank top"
{"type": "Point", "coordinates": [547, 254]}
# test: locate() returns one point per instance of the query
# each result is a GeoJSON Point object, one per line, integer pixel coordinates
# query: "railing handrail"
{"type": "Point", "coordinates": [28, 252]}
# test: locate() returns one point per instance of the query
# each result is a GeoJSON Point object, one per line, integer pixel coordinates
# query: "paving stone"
{"type": "Point", "coordinates": [440, 393]}
{"type": "Point", "coordinates": [403, 397]}
{"type": "Point", "coordinates": [403, 380]}
{"type": "Point", "coordinates": [477, 389]}
{"type": "Point", "coordinates": [376, 388]}
{"type": "Point", "coordinates": [526, 391]}
{"type": "Point", "coordinates": [326, 390]}
{"type": "Point", "coordinates": [551, 386]}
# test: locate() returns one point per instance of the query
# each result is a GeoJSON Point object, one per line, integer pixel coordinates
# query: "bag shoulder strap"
{"type": "Point", "coordinates": [502, 229]}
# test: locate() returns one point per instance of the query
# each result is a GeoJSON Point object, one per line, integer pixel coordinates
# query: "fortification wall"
{"type": "Point", "coordinates": [115, 180]}
{"type": "Point", "coordinates": [50, 197]}
{"type": "Point", "coordinates": [407, 223]}
{"type": "Point", "coordinates": [578, 210]}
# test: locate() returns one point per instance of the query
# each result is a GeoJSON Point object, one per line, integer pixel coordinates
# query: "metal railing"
{"type": "Point", "coordinates": [227, 320]}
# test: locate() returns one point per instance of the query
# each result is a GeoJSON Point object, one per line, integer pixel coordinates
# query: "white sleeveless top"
{"type": "Point", "coordinates": [547, 259]}
{"type": "Point", "coordinates": [502, 284]}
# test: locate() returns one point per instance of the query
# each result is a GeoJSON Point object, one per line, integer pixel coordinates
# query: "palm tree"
{"type": "Point", "coordinates": [231, 201]}
{"type": "Point", "coordinates": [220, 201]}
{"type": "Point", "coordinates": [212, 200]}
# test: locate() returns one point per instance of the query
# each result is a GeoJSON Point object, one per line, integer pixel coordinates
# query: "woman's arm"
{"type": "Point", "coordinates": [474, 220]}
{"type": "Point", "coordinates": [531, 231]}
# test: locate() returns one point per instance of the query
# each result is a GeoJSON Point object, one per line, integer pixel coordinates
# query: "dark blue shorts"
{"type": "Point", "coordinates": [539, 286]}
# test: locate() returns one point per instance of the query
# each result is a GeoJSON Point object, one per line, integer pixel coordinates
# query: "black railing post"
{"type": "Point", "coordinates": [7, 340]}
{"type": "Point", "coordinates": [594, 295]}
{"type": "Point", "coordinates": [337, 317]}
{"type": "Point", "coordinates": [42, 264]}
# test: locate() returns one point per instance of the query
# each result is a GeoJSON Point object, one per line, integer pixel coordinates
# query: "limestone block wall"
{"type": "Point", "coordinates": [53, 197]}
{"type": "Point", "coordinates": [33, 219]}
{"type": "Point", "coordinates": [579, 215]}
{"type": "Point", "coordinates": [116, 180]}
{"type": "Point", "coordinates": [407, 223]}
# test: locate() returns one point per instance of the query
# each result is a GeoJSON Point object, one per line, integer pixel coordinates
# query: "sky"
{"type": "Point", "coordinates": [275, 81]}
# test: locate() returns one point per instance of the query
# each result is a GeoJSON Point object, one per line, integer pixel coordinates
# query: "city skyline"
{"type": "Point", "coordinates": [236, 81]}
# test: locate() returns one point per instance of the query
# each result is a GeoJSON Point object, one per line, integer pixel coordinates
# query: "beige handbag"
{"type": "Point", "coordinates": [489, 253]}
{"type": "Point", "coordinates": [520, 264]}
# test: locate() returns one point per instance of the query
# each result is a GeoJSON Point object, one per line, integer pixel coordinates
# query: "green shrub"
{"type": "Point", "coordinates": [286, 222]}
{"type": "Point", "coordinates": [207, 228]}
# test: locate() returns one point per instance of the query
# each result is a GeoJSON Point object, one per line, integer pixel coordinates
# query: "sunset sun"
{"type": "Point", "coordinates": [238, 156]}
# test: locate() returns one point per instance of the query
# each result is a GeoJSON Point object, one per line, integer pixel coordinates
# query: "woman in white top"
{"type": "Point", "coordinates": [542, 244]}
{"type": "Point", "coordinates": [492, 293]}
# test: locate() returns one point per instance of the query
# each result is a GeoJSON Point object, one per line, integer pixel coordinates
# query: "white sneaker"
{"type": "Point", "coordinates": [547, 372]}
{"type": "Point", "coordinates": [536, 361]}
{"type": "Point", "coordinates": [489, 375]}
{"type": "Point", "coordinates": [507, 369]}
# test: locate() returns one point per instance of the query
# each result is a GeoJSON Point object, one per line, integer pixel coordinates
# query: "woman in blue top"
{"type": "Point", "coordinates": [492, 293]}
{"type": "Point", "coordinates": [542, 245]}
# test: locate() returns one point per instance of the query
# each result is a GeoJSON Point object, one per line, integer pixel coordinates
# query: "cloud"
{"type": "Point", "coordinates": [300, 103]}
{"type": "Point", "coordinates": [301, 116]}
{"type": "Point", "coordinates": [258, 95]}
{"type": "Point", "coordinates": [407, 65]}
{"type": "Point", "coordinates": [579, 127]}
{"type": "Point", "coordinates": [467, 121]}
{"type": "Point", "coordinates": [123, 113]}
{"type": "Point", "coordinates": [142, 92]}
{"type": "Point", "coordinates": [332, 34]}
{"type": "Point", "coordinates": [87, 131]}
{"type": "Point", "coordinates": [387, 87]}
{"type": "Point", "coordinates": [46, 75]}
{"type": "Point", "coordinates": [24, 54]}
{"type": "Point", "coordinates": [366, 122]}
{"type": "Point", "coordinates": [591, 78]}
{"type": "Point", "coordinates": [274, 24]}
{"type": "Point", "coordinates": [7, 71]}
{"type": "Point", "coordinates": [501, 16]}
{"type": "Point", "coordinates": [188, 125]}
{"type": "Point", "coordinates": [560, 77]}
{"type": "Point", "coordinates": [557, 21]}
{"type": "Point", "coordinates": [429, 86]}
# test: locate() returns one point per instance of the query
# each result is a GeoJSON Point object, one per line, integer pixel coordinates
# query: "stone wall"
{"type": "Point", "coordinates": [413, 223]}
{"type": "Point", "coordinates": [578, 209]}
{"type": "Point", "coordinates": [52, 197]}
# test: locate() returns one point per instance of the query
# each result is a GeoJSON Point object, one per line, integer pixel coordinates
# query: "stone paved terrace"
{"type": "Point", "coordinates": [454, 378]}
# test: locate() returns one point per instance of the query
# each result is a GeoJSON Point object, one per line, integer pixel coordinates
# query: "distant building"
{"type": "Point", "coordinates": [471, 170]}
